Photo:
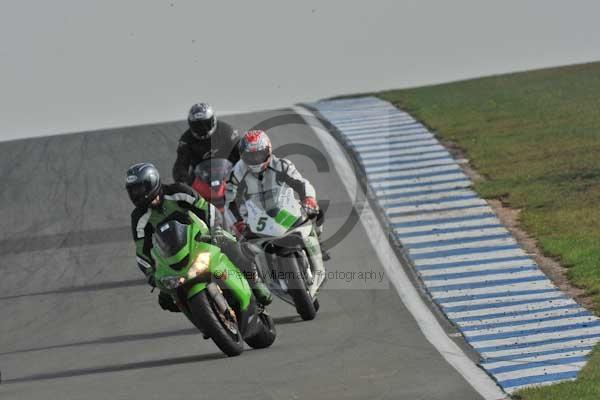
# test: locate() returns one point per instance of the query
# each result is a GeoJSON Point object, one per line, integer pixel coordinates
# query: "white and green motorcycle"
{"type": "Point", "coordinates": [284, 242]}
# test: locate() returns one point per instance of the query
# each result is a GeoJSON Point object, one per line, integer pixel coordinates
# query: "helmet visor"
{"type": "Point", "coordinates": [203, 128]}
{"type": "Point", "coordinates": [138, 193]}
{"type": "Point", "coordinates": [255, 157]}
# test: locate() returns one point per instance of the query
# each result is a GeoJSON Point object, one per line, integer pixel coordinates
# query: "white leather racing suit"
{"type": "Point", "coordinates": [243, 183]}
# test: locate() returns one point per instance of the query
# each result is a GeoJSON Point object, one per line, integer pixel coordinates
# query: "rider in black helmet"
{"type": "Point", "coordinates": [143, 184]}
{"type": "Point", "coordinates": [205, 138]}
{"type": "Point", "coordinates": [156, 203]}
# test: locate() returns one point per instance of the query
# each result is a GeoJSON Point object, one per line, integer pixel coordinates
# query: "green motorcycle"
{"type": "Point", "coordinates": [206, 286]}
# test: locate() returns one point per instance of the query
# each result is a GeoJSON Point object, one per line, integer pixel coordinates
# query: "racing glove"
{"type": "Point", "coordinates": [311, 206]}
{"type": "Point", "coordinates": [240, 227]}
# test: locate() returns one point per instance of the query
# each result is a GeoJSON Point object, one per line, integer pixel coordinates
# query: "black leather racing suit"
{"type": "Point", "coordinates": [223, 143]}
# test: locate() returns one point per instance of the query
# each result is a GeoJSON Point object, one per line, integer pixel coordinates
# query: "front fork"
{"type": "Point", "coordinates": [227, 288]}
{"type": "Point", "coordinates": [313, 249]}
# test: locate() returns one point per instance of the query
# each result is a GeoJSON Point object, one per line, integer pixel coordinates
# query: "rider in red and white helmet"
{"type": "Point", "coordinates": [259, 170]}
{"type": "Point", "coordinates": [256, 151]}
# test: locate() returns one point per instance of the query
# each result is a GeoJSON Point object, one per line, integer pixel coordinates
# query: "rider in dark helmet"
{"type": "Point", "coordinates": [156, 203]}
{"type": "Point", "coordinates": [142, 184]}
{"type": "Point", "coordinates": [205, 138]}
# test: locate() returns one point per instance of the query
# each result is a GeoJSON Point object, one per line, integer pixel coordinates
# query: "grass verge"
{"type": "Point", "coordinates": [535, 136]}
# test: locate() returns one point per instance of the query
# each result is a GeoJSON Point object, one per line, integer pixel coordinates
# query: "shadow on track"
{"type": "Point", "coordinates": [81, 289]}
{"type": "Point", "coordinates": [290, 319]}
{"type": "Point", "coordinates": [116, 368]}
{"type": "Point", "coordinates": [111, 340]}
{"type": "Point", "coordinates": [64, 240]}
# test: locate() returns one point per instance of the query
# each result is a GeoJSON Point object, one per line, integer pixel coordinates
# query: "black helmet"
{"type": "Point", "coordinates": [202, 120]}
{"type": "Point", "coordinates": [142, 184]}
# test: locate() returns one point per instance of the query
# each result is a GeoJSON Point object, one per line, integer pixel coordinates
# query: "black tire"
{"type": "Point", "coordinates": [298, 290]}
{"type": "Point", "coordinates": [267, 334]}
{"type": "Point", "coordinates": [204, 312]}
{"type": "Point", "coordinates": [316, 304]}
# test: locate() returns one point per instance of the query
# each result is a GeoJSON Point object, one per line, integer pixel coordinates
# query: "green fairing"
{"type": "Point", "coordinates": [285, 219]}
{"type": "Point", "coordinates": [164, 213]}
{"type": "Point", "coordinates": [220, 266]}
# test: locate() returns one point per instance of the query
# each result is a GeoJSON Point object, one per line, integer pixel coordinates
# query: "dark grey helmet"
{"type": "Point", "coordinates": [142, 184]}
{"type": "Point", "coordinates": [202, 120]}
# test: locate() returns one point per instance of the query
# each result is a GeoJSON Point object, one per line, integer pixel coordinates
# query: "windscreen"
{"type": "Point", "coordinates": [170, 237]}
{"type": "Point", "coordinates": [214, 169]}
{"type": "Point", "coordinates": [269, 199]}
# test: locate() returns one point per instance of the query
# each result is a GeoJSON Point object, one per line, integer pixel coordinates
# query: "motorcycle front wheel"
{"type": "Point", "coordinates": [221, 327]}
{"type": "Point", "coordinates": [297, 288]}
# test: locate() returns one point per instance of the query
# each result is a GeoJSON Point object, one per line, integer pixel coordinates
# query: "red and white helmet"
{"type": "Point", "coordinates": [256, 150]}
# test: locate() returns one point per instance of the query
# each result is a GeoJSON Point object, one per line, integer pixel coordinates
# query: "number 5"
{"type": "Point", "coordinates": [262, 222]}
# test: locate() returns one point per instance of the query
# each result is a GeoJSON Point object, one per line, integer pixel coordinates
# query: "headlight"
{"type": "Point", "coordinates": [172, 282]}
{"type": "Point", "coordinates": [200, 265]}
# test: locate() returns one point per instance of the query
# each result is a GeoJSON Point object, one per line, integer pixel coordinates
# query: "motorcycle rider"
{"type": "Point", "coordinates": [259, 171]}
{"type": "Point", "coordinates": [156, 202]}
{"type": "Point", "coordinates": [205, 138]}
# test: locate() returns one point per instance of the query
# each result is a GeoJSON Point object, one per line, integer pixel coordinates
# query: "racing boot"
{"type": "Point", "coordinates": [324, 253]}
{"type": "Point", "coordinates": [319, 230]}
{"type": "Point", "coordinates": [258, 286]}
{"type": "Point", "coordinates": [233, 250]}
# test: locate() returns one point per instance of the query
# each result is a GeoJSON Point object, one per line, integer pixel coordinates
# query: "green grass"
{"type": "Point", "coordinates": [535, 136]}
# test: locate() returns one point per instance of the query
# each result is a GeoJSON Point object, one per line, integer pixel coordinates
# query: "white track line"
{"type": "Point", "coordinates": [516, 252]}
{"type": "Point", "coordinates": [549, 369]}
{"type": "Point", "coordinates": [533, 325]}
{"type": "Point", "coordinates": [483, 312]}
{"type": "Point", "coordinates": [415, 137]}
{"type": "Point", "coordinates": [435, 216]}
{"type": "Point", "coordinates": [454, 235]}
{"type": "Point", "coordinates": [428, 196]}
{"type": "Point", "coordinates": [430, 229]}
{"type": "Point", "coordinates": [524, 351]}
{"type": "Point", "coordinates": [503, 299]}
{"type": "Point", "coordinates": [536, 285]}
{"type": "Point", "coordinates": [549, 358]}
{"type": "Point", "coordinates": [458, 184]}
{"type": "Point", "coordinates": [532, 338]}
{"type": "Point", "coordinates": [411, 165]}
{"type": "Point", "coordinates": [481, 242]}
{"type": "Point", "coordinates": [419, 140]}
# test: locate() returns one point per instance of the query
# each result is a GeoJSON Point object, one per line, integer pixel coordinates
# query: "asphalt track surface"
{"type": "Point", "coordinates": [77, 322]}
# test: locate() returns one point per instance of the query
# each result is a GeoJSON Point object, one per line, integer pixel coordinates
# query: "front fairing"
{"type": "Point", "coordinates": [213, 170]}
{"type": "Point", "coordinates": [274, 213]}
{"type": "Point", "coordinates": [164, 268]}
{"type": "Point", "coordinates": [220, 269]}
{"type": "Point", "coordinates": [210, 178]}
